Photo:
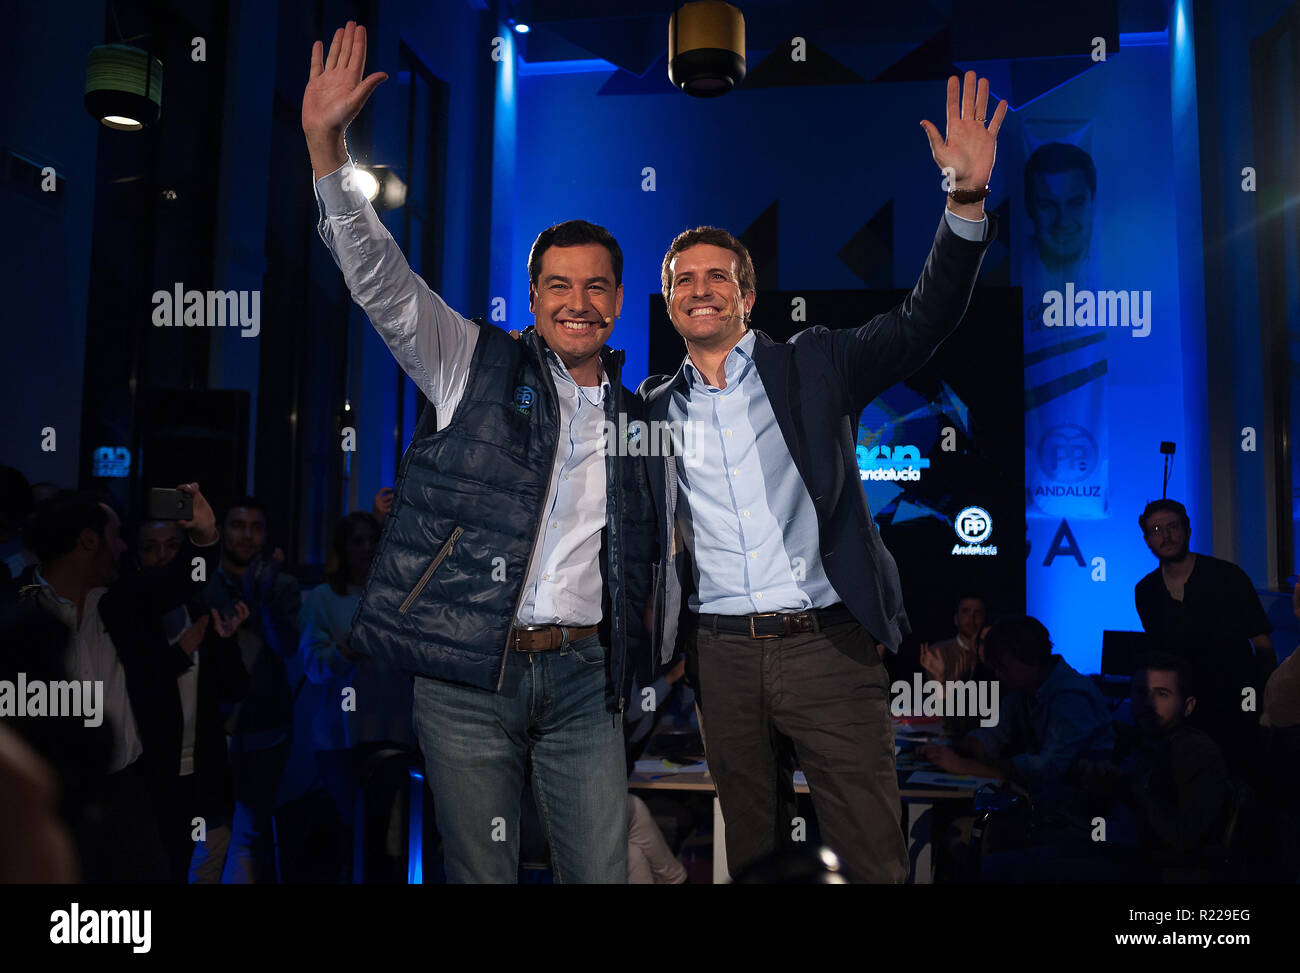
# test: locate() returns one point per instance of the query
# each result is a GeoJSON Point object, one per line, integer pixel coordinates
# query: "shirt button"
{"type": "Point", "coordinates": [555, 523]}
{"type": "Point", "coordinates": [746, 513]}
{"type": "Point", "coordinates": [727, 433]}
{"type": "Point", "coordinates": [735, 472]}
{"type": "Point", "coordinates": [758, 594]}
{"type": "Point", "coordinates": [753, 553]}
{"type": "Point", "coordinates": [566, 476]}
{"type": "Point", "coordinates": [546, 577]}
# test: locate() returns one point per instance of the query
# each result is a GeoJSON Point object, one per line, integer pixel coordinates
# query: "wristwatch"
{"type": "Point", "coordinates": [968, 195]}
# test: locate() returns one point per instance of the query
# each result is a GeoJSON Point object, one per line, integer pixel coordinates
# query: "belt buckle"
{"type": "Point", "coordinates": [520, 629]}
{"type": "Point", "coordinates": [755, 635]}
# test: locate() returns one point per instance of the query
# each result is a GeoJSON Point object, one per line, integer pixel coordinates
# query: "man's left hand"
{"type": "Point", "coordinates": [966, 152]}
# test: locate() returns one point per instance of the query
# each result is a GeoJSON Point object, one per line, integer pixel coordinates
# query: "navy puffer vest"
{"type": "Point", "coordinates": [446, 583]}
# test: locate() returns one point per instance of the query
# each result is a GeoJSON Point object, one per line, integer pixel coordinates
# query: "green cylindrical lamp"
{"type": "Point", "coordinates": [123, 87]}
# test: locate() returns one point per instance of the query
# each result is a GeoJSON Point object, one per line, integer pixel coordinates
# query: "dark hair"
{"type": "Point", "coordinates": [1168, 662]}
{"type": "Point", "coordinates": [717, 237]}
{"type": "Point", "coordinates": [16, 499]}
{"type": "Point", "coordinates": [1022, 637]}
{"type": "Point", "coordinates": [248, 502]}
{"type": "Point", "coordinates": [337, 567]}
{"type": "Point", "coordinates": [57, 523]}
{"type": "Point", "coordinates": [1155, 506]}
{"type": "Point", "coordinates": [573, 233]}
{"type": "Point", "coordinates": [969, 596]}
{"type": "Point", "coordinates": [1058, 157]}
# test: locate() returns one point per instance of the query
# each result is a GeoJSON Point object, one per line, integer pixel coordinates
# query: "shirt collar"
{"type": "Point", "coordinates": [562, 370]}
{"type": "Point", "coordinates": [738, 359]}
{"type": "Point", "coordinates": [40, 580]}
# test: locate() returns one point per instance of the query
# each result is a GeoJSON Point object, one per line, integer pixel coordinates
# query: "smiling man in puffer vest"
{"type": "Point", "coordinates": [514, 567]}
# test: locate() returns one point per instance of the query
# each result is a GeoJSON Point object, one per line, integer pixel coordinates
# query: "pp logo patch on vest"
{"type": "Point", "coordinates": [523, 399]}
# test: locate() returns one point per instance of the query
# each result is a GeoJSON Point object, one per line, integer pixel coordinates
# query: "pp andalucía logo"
{"type": "Point", "coordinates": [974, 526]}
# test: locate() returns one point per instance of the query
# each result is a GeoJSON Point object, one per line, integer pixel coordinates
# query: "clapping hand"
{"type": "Point", "coordinates": [192, 637]}
{"type": "Point", "coordinates": [226, 625]}
{"type": "Point", "coordinates": [932, 661]}
{"type": "Point", "coordinates": [259, 577]}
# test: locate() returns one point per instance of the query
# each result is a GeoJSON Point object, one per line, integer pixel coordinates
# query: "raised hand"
{"type": "Point", "coordinates": [336, 93]}
{"type": "Point", "coordinates": [203, 525]}
{"type": "Point", "coordinates": [965, 153]}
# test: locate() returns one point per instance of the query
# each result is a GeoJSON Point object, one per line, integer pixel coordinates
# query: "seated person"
{"type": "Point", "coordinates": [1050, 717]}
{"type": "Point", "coordinates": [650, 860]}
{"type": "Point", "coordinates": [957, 657]}
{"type": "Point", "coordinates": [1174, 783]}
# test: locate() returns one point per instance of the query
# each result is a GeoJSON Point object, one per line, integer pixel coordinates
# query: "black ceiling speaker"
{"type": "Point", "coordinates": [706, 48]}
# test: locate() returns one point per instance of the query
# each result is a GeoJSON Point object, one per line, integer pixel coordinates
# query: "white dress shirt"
{"type": "Point", "coordinates": [92, 656]}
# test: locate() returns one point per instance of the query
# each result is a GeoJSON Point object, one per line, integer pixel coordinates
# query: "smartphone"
{"type": "Point", "coordinates": [170, 505]}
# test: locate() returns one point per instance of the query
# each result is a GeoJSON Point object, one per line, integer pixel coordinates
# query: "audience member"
{"type": "Point", "coordinates": [365, 705]}
{"type": "Point", "coordinates": [1050, 716]}
{"type": "Point", "coordinates": [1282, 692]}
{"type": "Point", "coordinates": [1207, 611]}
{"type": "Point", "coordinates": [15, 505]}
{"type": "Point", "coordinates": [76, 540]}
{"type": "Point", "coordinates": [260, 728]}
{"type": "Point", "coordinates": [649, 859]}
{"type": "Point", "coordinates": [1174, 782]}
{"type": "Point", "coordinates": [184, 735]}
{"type": "Point", "coordinates": [957, 657]}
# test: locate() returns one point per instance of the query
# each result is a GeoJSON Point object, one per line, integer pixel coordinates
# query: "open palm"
{"type": "Point", "coordinates": [336, 91]}
{"type": "Point", "coordinates": [968, 148]}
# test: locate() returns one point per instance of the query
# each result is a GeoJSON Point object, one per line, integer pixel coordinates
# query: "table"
{"type": "Point", "coordinates": [919, 802]}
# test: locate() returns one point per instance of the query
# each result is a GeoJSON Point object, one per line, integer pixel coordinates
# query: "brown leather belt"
{"type": "Point", "coordinates": [544, 638]}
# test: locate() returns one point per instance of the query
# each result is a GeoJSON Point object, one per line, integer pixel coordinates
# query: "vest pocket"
{"type": "Point", "coordinates": [428, 572]}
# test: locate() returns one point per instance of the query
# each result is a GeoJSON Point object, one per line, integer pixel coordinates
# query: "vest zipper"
{"type": "Point", "coordinates": [548, 382]}
{"type": "Point", "coordinates": [428, 572]}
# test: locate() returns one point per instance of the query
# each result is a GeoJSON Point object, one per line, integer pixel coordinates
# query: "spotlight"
{"type": "Point", "coordinates": [123, 87]}
{"type": "Point", "coordinates": [381, 186]}
{"type": "Point", "coordinates": [706, 48]}
{"type": "Point", "coordinates": [522, 28]}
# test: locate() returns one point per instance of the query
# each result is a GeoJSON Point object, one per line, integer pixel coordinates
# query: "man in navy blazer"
{"type": "Point", "coordinates": [773, 574]}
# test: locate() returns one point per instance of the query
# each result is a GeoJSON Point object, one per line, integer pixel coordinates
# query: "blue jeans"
{"type": "Point", "coordinates": [476, 747]}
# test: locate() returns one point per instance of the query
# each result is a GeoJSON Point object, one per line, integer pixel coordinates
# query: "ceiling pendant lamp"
{"type": "Point", "coordinates": [123, 87]}
{"type": "Point", "coordinates": [706, 48]}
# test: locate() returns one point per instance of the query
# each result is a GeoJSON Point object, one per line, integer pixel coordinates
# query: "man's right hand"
{"type": "Point", "coordinates": [336, 93]}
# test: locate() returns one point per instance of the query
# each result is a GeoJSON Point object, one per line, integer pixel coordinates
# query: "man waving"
{"type": "Point", "coordinates": [772, 569]}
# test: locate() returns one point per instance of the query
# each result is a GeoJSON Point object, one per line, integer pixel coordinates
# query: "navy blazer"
{"type": "Point", "coordinates": [818, 384]}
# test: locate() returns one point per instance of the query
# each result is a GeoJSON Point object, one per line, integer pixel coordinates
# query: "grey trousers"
{"type": "Point", "coordinates": [828, 693]}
